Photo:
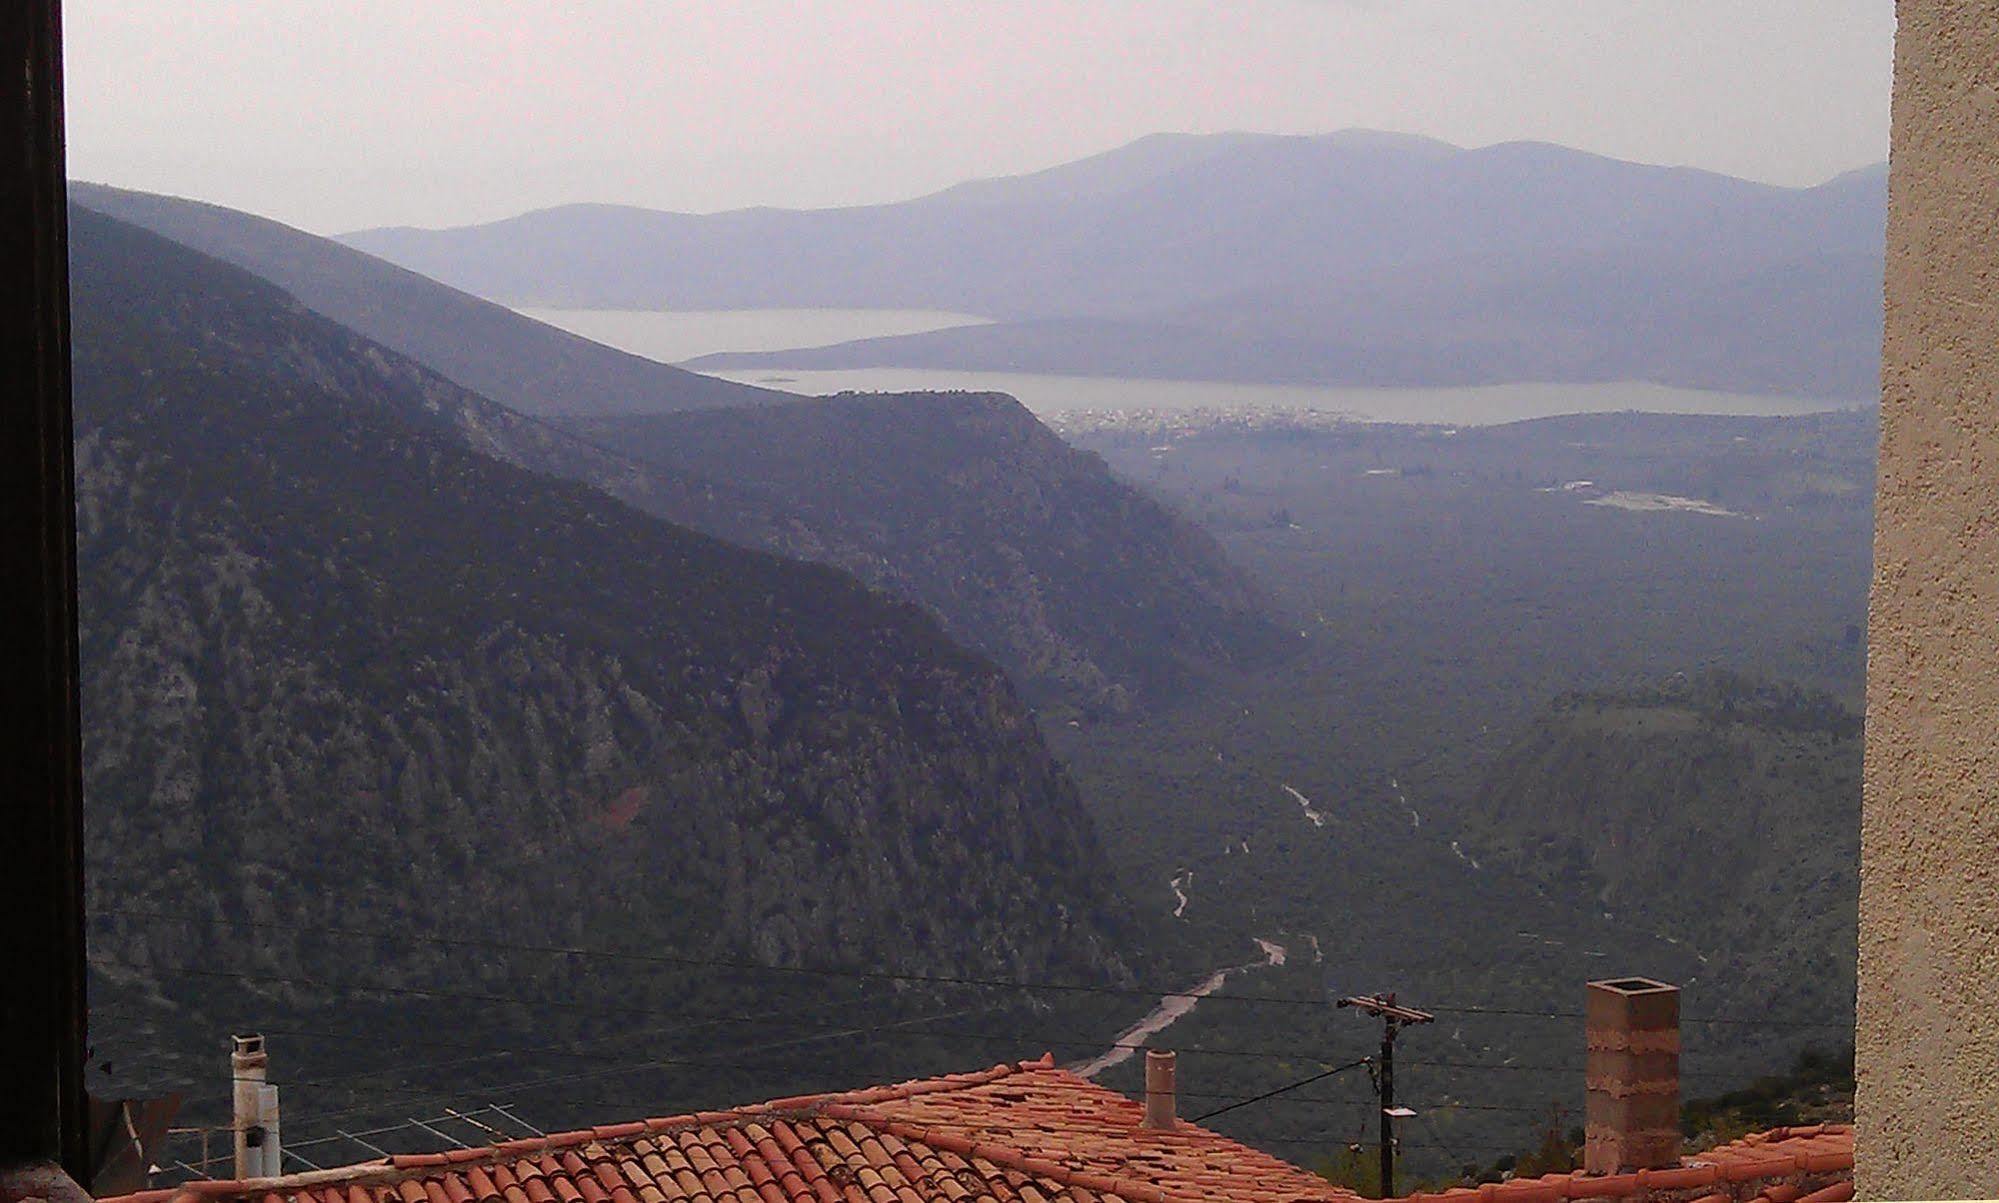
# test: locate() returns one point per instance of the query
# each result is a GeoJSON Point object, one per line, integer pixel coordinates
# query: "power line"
{"type": "Point", "coordinates": [1250, 1138]}
{"type": "Point", "coordinates": [1329, 1139]}
{"type": "Point", "coordinates": [1271, 1094]}
{"type": "Point", "coordinates": [1072, 1040]}
{"type": "Point", "coordinates": [532, 1084]}
{"type": "Point", "coordinates": [1553, 1069]}
{"type": "Point", "coordinates": [404, 1125]}
{"type": "Point", "coordinates": [543, 1083]}
{"type": "Point", "coordinates": [1327, 1100]}
{"type": "Point", "coordinates": [701, 962]}
{"type": "Point", "coordinates": [566, 1048]}
{"type": "Point", "coordinates": [1437, 1137]}
{"type": "Point", "coordinates": [557, 1049]}
{"type": "Point", "coordinates": [1685, 1019]}
{"type": "Point", "coordinates": [867, 974]}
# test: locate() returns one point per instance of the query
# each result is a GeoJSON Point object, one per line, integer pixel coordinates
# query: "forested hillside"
{"type": "Point", "coordinates": [1436, 587]}
{"type": "Point", "coordinates": [1096, 598]}
{"type": "Point", "coordinates": [1447, 588]}
{"type": "Point", "coordinates": [352, 686]}
{"type": "Point", "coordinates": [1724, 811]}
{"type": "Point", "coordinates": [1094, 595]}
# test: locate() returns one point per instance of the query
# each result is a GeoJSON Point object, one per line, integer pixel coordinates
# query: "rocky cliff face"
{"type": "Point", "coordinates": [342, 671]}
{"type": "Point", "coordinates": [1091, 594]}
{"type": "Point", "coordinates": [1094, 596]}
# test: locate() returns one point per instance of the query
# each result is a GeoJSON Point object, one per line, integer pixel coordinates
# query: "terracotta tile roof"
{"type": "Point", "coordinates": [1021, 1133]}
{"type": "Point", "coordinates": [1785, 1165]}
{"type": "Point", "coordinates": [1052, 1116]}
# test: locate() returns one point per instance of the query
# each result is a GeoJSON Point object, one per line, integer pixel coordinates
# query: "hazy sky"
{"type": "Point", "coordinates": [339, 115]}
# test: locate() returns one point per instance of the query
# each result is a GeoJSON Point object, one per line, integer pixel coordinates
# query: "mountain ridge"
{"type": "Point", "coordinates": [963, 521]}
{"type": "Point", "coordinates": [1098, 598]}
{"type": "Point", "coordinates": [1424, 239]}
{"type": "Point", "coordinates": [1352, 136]}
{"type": "Point", "coordinates": [527, 365]}
{"type": "Point", "coordinates": [344, 673]}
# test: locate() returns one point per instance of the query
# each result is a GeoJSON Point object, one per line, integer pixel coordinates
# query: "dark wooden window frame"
{"type": "Point", "coordinates": [42, 1012]}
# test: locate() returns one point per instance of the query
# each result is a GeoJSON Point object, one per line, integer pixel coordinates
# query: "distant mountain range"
{"type": "Point", "coordinates": [1092, 595]}
{"type": "Point", "coordinates": [1354, 258]}
{"type": "Point", "coordinates": [523, 364]}
{"type": "Point", "coordinates": [1095, 596]}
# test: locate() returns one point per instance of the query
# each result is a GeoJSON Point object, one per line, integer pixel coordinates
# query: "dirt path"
{"type": "Point", "coordinates": [1172, 1008]}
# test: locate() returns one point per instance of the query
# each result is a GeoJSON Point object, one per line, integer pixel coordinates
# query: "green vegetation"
{"type": "Point", "coordinates": [352, 688]}
{"type": "Point", "coordinates": [1658, 802]}
{"type": "Point", "coordinates": [1817, 1089]}
{"type": "Point", "coordinates": [360, 657]}
{"type": "Point", "coordinates": [1356, 1167]}
{"type": "Point", "coordinates": [1095, 598]}
{"type": "Point", "coordinates": [1444, 603]}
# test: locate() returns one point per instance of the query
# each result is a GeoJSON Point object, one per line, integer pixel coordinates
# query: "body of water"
{"type": "Point", "coordinates": [675, 336]}
{"type": "Point", "coordinates": [1052, 396]}
{"type": "Point", "coordinates": [671, 336]}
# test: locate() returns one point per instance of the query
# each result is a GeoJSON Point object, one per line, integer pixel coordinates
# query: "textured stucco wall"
{"type": "Point", "coordinates": [1929, 894]}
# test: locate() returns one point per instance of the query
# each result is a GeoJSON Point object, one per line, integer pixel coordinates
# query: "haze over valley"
{"type": "Point", "coordinates": [1352, 259]}
{"type": "Point", "coordinates": [654, 660]}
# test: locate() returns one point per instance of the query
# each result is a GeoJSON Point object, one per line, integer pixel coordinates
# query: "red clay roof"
{"type": "Point", "coordinates": [1022, 1133]}
{"type": "Point", "coordinates": [1785, 1165]}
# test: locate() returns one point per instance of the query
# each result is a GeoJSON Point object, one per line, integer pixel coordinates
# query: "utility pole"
{"type": "Point", "coordinates": [1393, 1019]}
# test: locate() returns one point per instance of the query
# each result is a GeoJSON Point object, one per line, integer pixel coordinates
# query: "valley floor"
{"type": "Point", "coordinates": [1443, 596]}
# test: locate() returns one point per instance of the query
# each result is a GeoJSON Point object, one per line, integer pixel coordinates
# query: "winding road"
{"type": "Point", "coordinates": [1172, 1009]}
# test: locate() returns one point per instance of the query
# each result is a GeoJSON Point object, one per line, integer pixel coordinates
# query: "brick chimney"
{"type": "Point", "coordinates": [1159, 1090]}
{"type": "Point", "coordinates": [1632, 1117]}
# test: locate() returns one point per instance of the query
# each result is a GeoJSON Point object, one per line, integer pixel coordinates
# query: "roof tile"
{"type": "Point", "coordinates": [1025, 1132]}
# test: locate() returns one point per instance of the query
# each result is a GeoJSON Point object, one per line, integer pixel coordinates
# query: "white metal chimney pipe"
{"type": "Point", "coordinates": [246, 1079]}
{"type": "Point", "coordinates": [1160, 1103]}
{"type": "Point", "coordinates": [267, 1116]}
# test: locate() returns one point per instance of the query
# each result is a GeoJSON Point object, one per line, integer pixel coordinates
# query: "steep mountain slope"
{"type": "Point", "coordinates": [1721, 811]}
{"type": "Point", "coordinates": [1217, 259]}
{"type": "Point", "coordinates": [489, 349]}
{"type": "Point", "coordinates": [1090, 592]}
{"type": "Point", "coordinates": [343, 674]}
{"type": "Point", "coordinates": [1449, 589]}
